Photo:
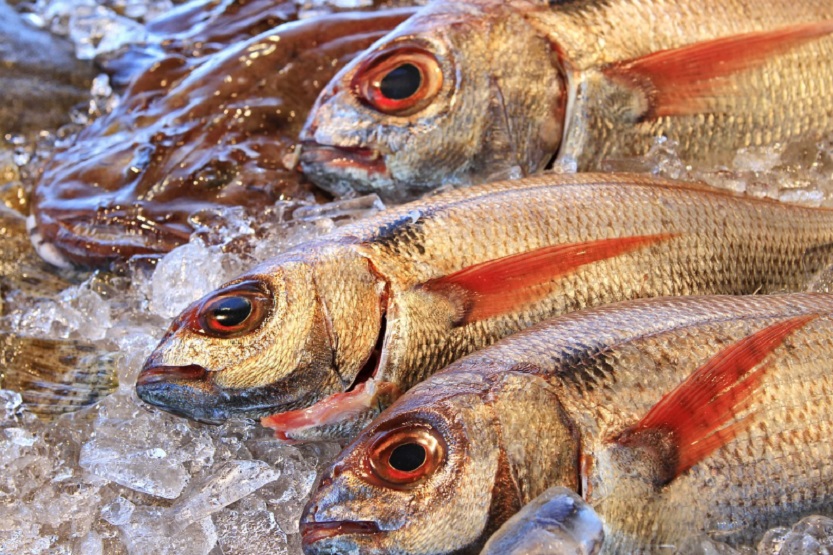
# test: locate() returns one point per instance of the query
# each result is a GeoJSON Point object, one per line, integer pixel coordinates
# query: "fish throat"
{"type": "Point", "coordinates": [363, 399]}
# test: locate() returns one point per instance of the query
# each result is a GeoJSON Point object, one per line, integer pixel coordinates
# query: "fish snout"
{"type": "Point", "coordinates": [181, 390]}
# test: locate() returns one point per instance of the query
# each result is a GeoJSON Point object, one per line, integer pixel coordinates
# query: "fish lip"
{"type": "Point", "coordinates": [312, 532]}
{"type": "Point", "coordinates": [189, 391]}
{"type": "Point", "coordinates": [315, 156]}
{"type": "Point", "coordinates": [155, 374]}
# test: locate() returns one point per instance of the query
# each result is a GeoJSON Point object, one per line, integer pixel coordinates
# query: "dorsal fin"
{"type": "Point", "coordinates": [692, 421]}
{"type": "Point", "coordinates": [681, 81]}
{"type": "Point", "coordinates": [501, 286]}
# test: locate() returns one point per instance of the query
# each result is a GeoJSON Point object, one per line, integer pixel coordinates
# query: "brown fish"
{"type": "Point", "coordinates": [330, 332]}
{"type": "Point", "coordinates": [468, 90]}
{"type": "Point", "coordinates": [192, 135]}
{"type": "Point", "coordinates": [672, 418]}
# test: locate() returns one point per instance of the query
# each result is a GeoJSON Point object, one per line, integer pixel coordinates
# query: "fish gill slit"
{"type": "Point", "coordinates": [372, 363]}
{"type": "Point", "coordinates": [508, 124]}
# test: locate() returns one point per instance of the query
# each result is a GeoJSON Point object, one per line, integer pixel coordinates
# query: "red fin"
{"type": "Point", "coordinates": [682, 80]}
{"type": "Point", "coordinates": [695, 414]}
{"type": "Point", "coordinates": [501, 286]}
{"type": "Point", "coordinates": [332, 410]}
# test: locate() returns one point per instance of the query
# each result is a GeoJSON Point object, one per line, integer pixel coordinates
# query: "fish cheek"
{"type": "Point", "coordinates": [463, 487]}
{"type": "Point", "coordinates": [289, 339]}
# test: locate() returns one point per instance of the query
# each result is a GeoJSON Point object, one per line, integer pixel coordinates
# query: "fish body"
{"type": "Point", "coordinates": [469, 91]}
{"type": "Point", "coordinates": [672, 418]}
{"type": "Point", "coordinates": [325, 335]}
{"type": "Point", "coordinates": [54, 376]}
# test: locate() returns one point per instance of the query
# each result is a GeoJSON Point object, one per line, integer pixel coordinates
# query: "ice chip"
{"type": "Point", "coordinates": [149, 533]}
{"type": "Point", "coordinates": [187, 273]}
{"type": "Point", "coordinates": [812, 535]}
{"type": "Point", "coordinates": [118, 511]}
{"type": "Point", "coordinates": [229, 483]}
{"type": "Point", "coordinates": [243, 532]}
{"type": "Point", "coordinates": [758, 159]}
{"type": "Point", "coordinates": [12, 403]}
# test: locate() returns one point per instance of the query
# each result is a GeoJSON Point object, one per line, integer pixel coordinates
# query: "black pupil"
{"type": "Point", "coordinates": [231, 311]}
{"type": "Point", "coordinates": [407, 457]}
{"type": "Point", "coordinates": [401, 82]}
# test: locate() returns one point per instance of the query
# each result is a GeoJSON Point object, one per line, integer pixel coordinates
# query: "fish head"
{"type": "Point", "coordinates": [445, 465]}
{"type": "Point", "coordinates": [458, 93]}
{"type": "Point", "coordinates": [267, 341]}
{"type": "Point", "coordinates": [418, 460]}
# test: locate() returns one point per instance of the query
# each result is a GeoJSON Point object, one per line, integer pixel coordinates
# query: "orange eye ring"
{"type": "Point", "coordinates": [404, 457]}
{"type": "Point", "coordinates": [400, 81]}
{"type": "Point", "coordinates": [234, 311]}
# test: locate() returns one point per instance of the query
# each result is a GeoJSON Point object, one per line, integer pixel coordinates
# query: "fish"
{"type": "Point", "coordinates": [671, 418]}
{"type": "Point", "coordinates": [477, 90]}
{"type": "Point", "coordinates": [319, 339]}
{"type": "Point", "coordinates": [22, 271]}
{"type": "Point", "coordinates": [56, 376]}
{"type": "Point", "coordinates": [557, 521]}
{"type": "Point", "coordinates": [192, 136]}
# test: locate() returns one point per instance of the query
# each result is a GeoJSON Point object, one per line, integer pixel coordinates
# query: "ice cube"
{"type": "Point", "coordinates": [230, 482]}
{"type": "Point", "coordinates": [812, 535]}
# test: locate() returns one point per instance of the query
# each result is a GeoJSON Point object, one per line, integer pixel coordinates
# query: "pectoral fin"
{"type": "Point", "coordinates": [700, 415]}
{"type": "Point", "coordinates": [502, 286]}
{"type": "Point", "coordinates": [682, 81]}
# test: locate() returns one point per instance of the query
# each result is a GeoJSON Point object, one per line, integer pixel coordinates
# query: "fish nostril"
{"type": "Point", "coordinates": [156, 374]}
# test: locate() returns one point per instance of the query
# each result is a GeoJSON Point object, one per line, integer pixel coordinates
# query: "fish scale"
{"type": "Point", "coordinates": [773, 471]}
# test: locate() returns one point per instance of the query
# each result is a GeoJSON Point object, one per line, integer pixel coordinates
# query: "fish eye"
{"type": "Point", "coordinates": [233, 311]}
{"type": "Point", "coordinates": [399, 82]}
{"type": "Point", "coordinates": [402, 458]}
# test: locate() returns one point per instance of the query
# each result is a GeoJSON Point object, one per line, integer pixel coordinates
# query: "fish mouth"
{"type": "Point", "coordinates": [312, 532]}
{"type": "Point", "coordinates": [173, 388]}
{"type": "Point", "coordinates": [315, 154]}
{"type": "Point", "coordinates": [189, 391]}
{"type": "Point", "coordinates": [85, 238]}
{"type": "Point", "coordinates": [341, 170]}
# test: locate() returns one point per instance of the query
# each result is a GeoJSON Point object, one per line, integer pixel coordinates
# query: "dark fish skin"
{"type": "Point", "coordinates": [469, 91]}
{"type": "Point", "coordinates": [192, 135]}
{"type": "Point", "coordinates": [562, 404]}
{"type": "Point", "coordinates": [334, 330]}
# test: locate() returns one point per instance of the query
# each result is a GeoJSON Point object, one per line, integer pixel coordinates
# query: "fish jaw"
{"type": "Point", "coordinates": [333, 168]}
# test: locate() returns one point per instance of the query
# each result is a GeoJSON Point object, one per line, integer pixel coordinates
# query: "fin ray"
{"type": "Point", "coordinates": [680, 81]}
{"type": "Point", "coordinates": [501, 286]}
{"type": "Point", "coordinates": [696, 416]}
